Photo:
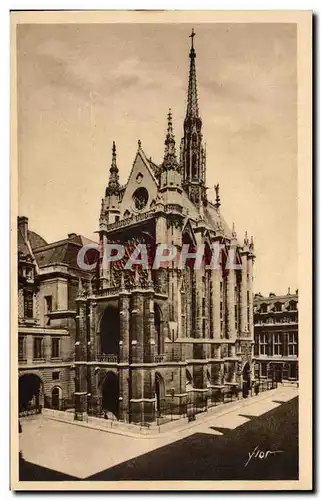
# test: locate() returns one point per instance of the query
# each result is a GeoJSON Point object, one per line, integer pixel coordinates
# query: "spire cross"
{"type": "Point", "coordinates": [193, 34]}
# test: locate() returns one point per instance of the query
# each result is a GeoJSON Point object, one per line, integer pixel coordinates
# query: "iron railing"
{"type": "Point", "coordinates": [59, 404]}
{"type": "Point", "coordinates": [169, 411]}
{"type": "Point", "coordinates": [108, 358]}
{"type": "Point", "coordinates": [30, 410]}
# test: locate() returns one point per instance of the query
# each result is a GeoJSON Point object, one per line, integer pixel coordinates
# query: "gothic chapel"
{"type": "Point", "coordinates": [150, 338]}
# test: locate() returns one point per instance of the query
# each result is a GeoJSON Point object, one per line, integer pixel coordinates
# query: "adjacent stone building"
{"type": "Point", "coordinates": [47, 288]}
{"type": "Point", "coordinates": [149, 336]}
{"type": "Point", "coordinates": [276, 337]}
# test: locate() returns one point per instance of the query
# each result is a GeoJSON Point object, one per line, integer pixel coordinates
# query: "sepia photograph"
{"type": "Point", "coordinates": [161, 213]}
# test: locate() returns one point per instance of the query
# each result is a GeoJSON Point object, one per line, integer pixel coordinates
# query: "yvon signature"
{"type": "Point", "coordinates": [262, 455]}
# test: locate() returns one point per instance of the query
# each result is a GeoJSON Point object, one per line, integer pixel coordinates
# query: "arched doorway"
{"type": "Point", "coordinates": [30, 391]}
{"type": "Point", "coordinates": [246, 380]}
{"type": "Point", "coordinates": [110, 331]}
{"type": "Point", "coordinates": [159, 392]}
{"type": "Point", "coordinates": [157, 325]}
{"type": "Point", "coordinates": [110, 394]}
{"type": "Point", "coordinates": [56, 397]}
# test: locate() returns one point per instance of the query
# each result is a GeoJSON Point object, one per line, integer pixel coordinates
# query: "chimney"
{"type": "Point", "coordinates": [23, 225]}
{"type": "Point", "coordinates": [72, 235]}
{"type": "Point", "coordinates": [288, 291]}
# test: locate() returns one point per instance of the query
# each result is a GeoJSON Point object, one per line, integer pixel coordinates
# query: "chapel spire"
{"type": "Point", "coordinates": [193, 158]}
{"type": "Point", "coordinates": [113, 183]}
{"type": "Point", "coordinates": [192, 102]}
{"type": "Point", "coordinates": [170, 157]}
{"type": "Point", "coordinates": [170, 178]}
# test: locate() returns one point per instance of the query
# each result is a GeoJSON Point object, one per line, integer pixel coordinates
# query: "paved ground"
{"type": "Point", "coordinates": [217, 447]}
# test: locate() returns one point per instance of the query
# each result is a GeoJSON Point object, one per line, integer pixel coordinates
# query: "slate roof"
{"type": "Point", "coordinates": [215, 219]}
{"type": "Point", "coordinates": [46, 254]}
{"type": "Point", "coordinates": [61, 252]}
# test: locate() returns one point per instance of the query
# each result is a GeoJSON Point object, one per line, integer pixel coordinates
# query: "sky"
{"type": "Point", "coordinates": [79, 87]}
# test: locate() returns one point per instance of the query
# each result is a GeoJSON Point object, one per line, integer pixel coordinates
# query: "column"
{"type": "Point", "coordinates": [136, 355]}
{"type": "Point", "coordinates": [198, 294]}
{"type": "Point", "coordinates": [231, 303]}
{"type": "Point", "coordinates": [124, 396]}
{"type": "Point", "coordinates": [243, 295]}
{"type": "Point", "coordinates": [124, 303]}
{"type": "Point", "coordinates": [250, 290]}
{"type": "Point", "coordinates": [81, 361]}
{"type": "Point", "coordinates": [92, 348]}
{"type": "Point", "coordinates": [149, 328]}
{"type": "Point", "coordinates": [215, 276]}
{"type": "Point", "coordinates": [104, 265]}
{"type": "Point", "coordinates": [47, 347]}
{"type": "Point", "coordinates": [92, 354]}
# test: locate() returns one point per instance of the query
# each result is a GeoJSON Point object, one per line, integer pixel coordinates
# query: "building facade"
{"type": "Point", "coordinates": [276, 337]}
{"type": "Point", "coordinates": [147, 336]}
{"type": "Point", "coordinates": [47, 288]}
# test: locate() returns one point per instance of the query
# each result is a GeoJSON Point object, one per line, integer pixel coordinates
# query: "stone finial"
{"type": "Point", "coordinates": [233, 233]}
{"type": "Point", "coordinates": [136, 278]}
{"type": "Point", "coordinates": [80, 292]}
{"type": "Point", "coordinates": [246, 240]}
{"type": "Point", "coordinates": [122, 280]}
{"type": "Point", "coordinates": [150, 280]}
{"type": "Point", "coordinates": [217, 203]}
{"type": "Point", "coordinates": [90, 288]}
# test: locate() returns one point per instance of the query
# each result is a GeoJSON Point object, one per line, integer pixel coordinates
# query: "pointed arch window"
{"type": "Point", "coordinates": [194, 165]}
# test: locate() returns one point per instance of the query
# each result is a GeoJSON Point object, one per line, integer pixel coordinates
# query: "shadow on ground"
{"type": "Point", "coordinates": [208, 457]}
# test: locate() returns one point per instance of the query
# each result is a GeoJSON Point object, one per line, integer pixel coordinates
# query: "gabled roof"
{"type": "Point", "coordinates": [61, 252]}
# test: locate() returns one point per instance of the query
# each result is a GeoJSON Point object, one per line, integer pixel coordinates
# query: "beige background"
{"type": "Point", "coordinates": [293, 250]}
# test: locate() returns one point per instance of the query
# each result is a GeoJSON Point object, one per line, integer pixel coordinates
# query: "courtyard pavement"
{"type": "Point", "coordinates": [214, 447]}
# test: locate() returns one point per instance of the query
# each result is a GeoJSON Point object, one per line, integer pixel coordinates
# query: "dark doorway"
{"type": "Point", "coordinates": [246, 380]}
{"type": "Point", "coordinates": [110, 393]}
{"type": "Point", "coordinates": [110, 331]}
{"type": "Point", "coordinates": [278, 369]}
{"type": "Point", "coordinates": [157, 325]}
{"type": "Point", "coordinates": [159, 392]}
{"type": "Point", "coordinates": [30, 391]}
{"type": "Point", "coordinates": [55, 398]}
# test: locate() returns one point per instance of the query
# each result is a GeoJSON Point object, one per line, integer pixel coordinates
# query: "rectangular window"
{"type": "Point", "coordinates": [263, 369]}
{"type": "Point", "coordinates": [56, 375]}
{"type": "Point", "coordinates": [29, 304]}
{"type": "Point", "coordinates": [21, 348]}
{"type": "Point", "coordinates": [55, 351]}
{"type": "Point", "coordinates": [48, 304]}
{"type": "Point", "coordinates": [263, 344]}
{"type": "Point", "coordinates": [38, 348]}
{"type": "Point", "coordinates": [292, 344]}
{"type": "Point", "coordinates": [277, 344]}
